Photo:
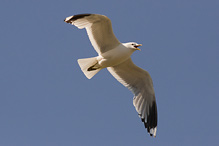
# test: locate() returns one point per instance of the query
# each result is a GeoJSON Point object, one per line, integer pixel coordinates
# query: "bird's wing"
{"type": "Point", "coordinates": [140, 83]}
{"type": "Point", "coordinates": [99, 30]}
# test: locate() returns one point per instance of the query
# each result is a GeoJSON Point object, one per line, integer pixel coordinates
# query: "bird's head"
{"type": "Point", "coordinates": [133, 45]}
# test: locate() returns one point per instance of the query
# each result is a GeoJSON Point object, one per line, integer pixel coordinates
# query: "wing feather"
{"type": "Point", "coordinates": [140, 83]}
{"type": "Point", "coordinates": [99, 30]}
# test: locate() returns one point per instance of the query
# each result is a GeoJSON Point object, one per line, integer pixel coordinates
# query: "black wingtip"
{"type": "Point", "coordinates": [75, 17]}
{"type": "Point", "coordinates": [151, 119]}
{"type": "Point", "coordinates": [79, 16]}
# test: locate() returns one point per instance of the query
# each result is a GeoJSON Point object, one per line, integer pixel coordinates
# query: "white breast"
{"type": "Point", "coordinates": [115, 56]}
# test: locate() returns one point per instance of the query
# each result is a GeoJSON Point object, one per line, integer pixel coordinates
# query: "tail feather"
{"type": "Point", "coordinates": [85, 64]}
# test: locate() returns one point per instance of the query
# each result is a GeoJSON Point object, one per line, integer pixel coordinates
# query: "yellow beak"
{"type": "Point", "coordinates": [138, 46]}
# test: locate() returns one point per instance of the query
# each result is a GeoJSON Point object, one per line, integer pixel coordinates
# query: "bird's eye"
{"type": "Point", "coordinates": [133, 44]}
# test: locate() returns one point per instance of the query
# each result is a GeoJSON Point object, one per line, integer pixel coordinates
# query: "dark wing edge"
{"type": "Point", "coordinates": [75, 17]}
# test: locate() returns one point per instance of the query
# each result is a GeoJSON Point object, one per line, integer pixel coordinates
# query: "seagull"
{"type": "Point", "coordinates": [116, 57]}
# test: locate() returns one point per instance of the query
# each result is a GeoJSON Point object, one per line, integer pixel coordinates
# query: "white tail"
{"type": "Point", "coordinates": [87, 63]}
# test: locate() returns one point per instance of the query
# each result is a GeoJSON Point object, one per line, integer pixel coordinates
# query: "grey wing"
{"type": "Point", "coordinates": [99, 30]}
{"type": "Point", "coordinates": [140, 83]}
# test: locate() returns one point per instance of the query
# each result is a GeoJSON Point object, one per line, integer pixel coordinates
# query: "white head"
{"type": "Point", "coordinates": [132, 45]}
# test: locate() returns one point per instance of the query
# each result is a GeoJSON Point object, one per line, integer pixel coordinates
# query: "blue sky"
{"type": "Point", "coordinates": [46, 100]}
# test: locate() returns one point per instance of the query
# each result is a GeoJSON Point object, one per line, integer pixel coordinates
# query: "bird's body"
{"type": "Point", "coordinates": [121, 54]}
{"type": "Point", "coordinates": [115, 56]}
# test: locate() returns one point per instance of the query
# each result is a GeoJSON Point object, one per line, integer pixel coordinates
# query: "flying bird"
{"type": "Point", "coordinates": [116, 57]}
